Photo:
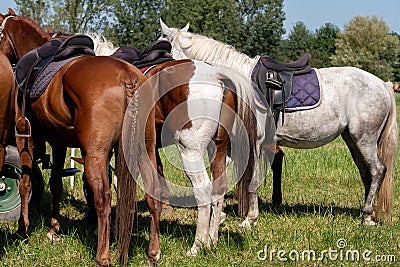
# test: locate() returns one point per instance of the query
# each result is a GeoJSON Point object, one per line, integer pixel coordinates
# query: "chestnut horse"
{"type": "Point", "coordinates": [7, 104]}
{"type": "Point", "coordinates": [84, 106]}
{"type": "Point", "coordinates": [199, 105]}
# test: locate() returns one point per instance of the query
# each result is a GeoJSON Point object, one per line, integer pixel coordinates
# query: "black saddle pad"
{"type": "Point", "coordinates": [32, 64]}
{"type": "Point", "coordinates": [156, 53]}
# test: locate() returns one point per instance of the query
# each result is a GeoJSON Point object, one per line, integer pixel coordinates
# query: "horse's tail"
{"type": "Point", "coordinates": [127, 168]}
{"type": "Point", "coordinates": [126, 204]}
{"type": "Point", "coordinates": [387, 147]}
{"type": "Point", "coordinates": [244, 152]}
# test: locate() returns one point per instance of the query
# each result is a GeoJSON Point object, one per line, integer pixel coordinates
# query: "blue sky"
{"type": "Point", "coordinates": [315, 13]}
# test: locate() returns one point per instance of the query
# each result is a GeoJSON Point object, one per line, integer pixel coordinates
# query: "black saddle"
{"type": "Point", "coordinates": [274, 78]}
{"type": "Point", "coordinates": [302, 65]}
{"type": "Point", "coordinates": [156, 53]}
{"type": "Point", "coordinates": [34, 62]}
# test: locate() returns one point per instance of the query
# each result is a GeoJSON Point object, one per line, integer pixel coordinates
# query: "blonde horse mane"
{"type": "Point", "coordinates": [102, 47]}
{"type": "Point", "coordinates": [206, 49]}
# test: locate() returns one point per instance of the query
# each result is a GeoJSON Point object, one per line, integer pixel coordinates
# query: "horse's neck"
{"type": "Point", "coordinates": [31, 39]}
{"type": "Point", "coordinates": [218, 53]}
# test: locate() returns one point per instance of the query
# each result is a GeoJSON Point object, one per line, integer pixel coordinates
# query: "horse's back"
{"type": "Point", "coordinates": [351, 98]}
{"type": "Point", "coordinates": [88, 92]}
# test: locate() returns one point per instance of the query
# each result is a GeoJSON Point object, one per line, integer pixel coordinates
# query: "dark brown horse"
{"type": "Point", "coordinates": [84, 106]}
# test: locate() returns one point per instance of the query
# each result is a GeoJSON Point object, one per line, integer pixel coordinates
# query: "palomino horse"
{"type": "Point", "coordinates": [83, 106]}
{"type": "Point", "coordinates": [354, 104]}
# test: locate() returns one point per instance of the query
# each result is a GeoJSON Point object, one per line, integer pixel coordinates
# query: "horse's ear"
{"type": "Point", "coordinates": [185, 29]}
{"type": "Point", "coordinates": [11, 12]}
{"type": "Point", "coordinates": [164, 27]}
{"type": "Point", "coordinates": [49, 29]}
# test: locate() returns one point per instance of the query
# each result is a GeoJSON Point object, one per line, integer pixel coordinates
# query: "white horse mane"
{"type": "Point", "coordinates": [206, 49]}
{"type": "Point", "coordinates": [102, 47]}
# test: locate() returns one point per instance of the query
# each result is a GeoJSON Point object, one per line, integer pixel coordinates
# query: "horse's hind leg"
{"type": "Point", "coordinates": [56, 188]}
{"type": "Point", "coordinates": [165, 193]}
{"type": "Point", "coordinates": [25, 148]}
{"type": "Point", "coordinates": [153, 189]}
{"type": "Point", "coordinates": [372, 172]}
{"type": "Point", "coordinates": [202, 188]}
{"type": "Point", "coordinates": [96, 174]}
{"type": "Point", "coordinates": [218, 171]}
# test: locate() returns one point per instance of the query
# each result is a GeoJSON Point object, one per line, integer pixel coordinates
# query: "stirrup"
{"type": "Point", "coordinates": [25, 135]}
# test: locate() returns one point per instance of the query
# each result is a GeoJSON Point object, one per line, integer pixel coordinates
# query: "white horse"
{"type": "Point", "coordinates": [354, 104]}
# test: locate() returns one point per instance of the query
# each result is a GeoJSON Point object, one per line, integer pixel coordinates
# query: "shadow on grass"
{"type": "Point", "coordinates": [297, 210]}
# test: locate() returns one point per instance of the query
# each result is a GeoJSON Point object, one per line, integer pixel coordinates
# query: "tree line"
{"type": "Point", "coordinates": [254, 27]}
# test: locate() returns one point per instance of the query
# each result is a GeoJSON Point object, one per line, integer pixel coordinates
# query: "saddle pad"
{"type": "Point", "coordinates": [305, 92]}
{"type": "Point", "coordinates": [44, 78]}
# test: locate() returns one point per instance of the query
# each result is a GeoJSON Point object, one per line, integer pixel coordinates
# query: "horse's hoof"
{"type": "Point", "coordinates": [155, 256]}
{"type": "Point", "coordinates": [247, 224]}
{"type": "Point", "coordinates": [369, 222]}
{"type": "Point", "coordinates": [151, 263]}
{"type": "Point", "coordinates": [52, 237]}
{"type": "Point", "coordinates": [103, 263]}
{"type": "Point", "coordinates": [166, 208]}
{"type": "Point", "coordinates": [222, 218]}
{"type": "Point", "coordinates": [153, 260]}
{"type": "Point", "coordinates": [193, 251]}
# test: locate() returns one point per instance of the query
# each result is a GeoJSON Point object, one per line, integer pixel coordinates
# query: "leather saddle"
{"type": "Point", "coordinates": [274, 78]}
{"type": "Point", "coordinates": [34, 62]}
{"type": "Point", "coordinates": [156, 53]}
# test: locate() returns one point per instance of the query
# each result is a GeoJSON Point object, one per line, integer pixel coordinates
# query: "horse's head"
{"type": "Point", "coordinates": [179, 39]}
{"type": "Point", "coordinates": [19, 35]}
{"type": "Point", "coordinates": [5, 44]}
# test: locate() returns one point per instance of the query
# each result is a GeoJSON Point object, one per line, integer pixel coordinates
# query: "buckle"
{"type": "Point", "coordinates": [273, 80]}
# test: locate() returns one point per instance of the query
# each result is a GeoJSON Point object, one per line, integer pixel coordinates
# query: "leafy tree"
{"type": "Point", "coordinates": [37, 10]}
{"type": "Point", "coordinates": [216, 19]}
{"type": "Point", "coordinates": [262, 26]}
{"type": "Point", "coordinates": [299, 42]}
{"type": "Point", "coordinates": [70, 16]}
{"type": "Point", "coordinates": [324, 45]}
{"type": "Point", "coordinates": [80, 15]}
{"type": "Point", "coordinates": [135, 23]}
{"type": "Point", "coordinates": [367, 44]}
{"type": "Point", "coordinates": [252, 26]}
{"type": "Point", "coordinates": [396, 63]}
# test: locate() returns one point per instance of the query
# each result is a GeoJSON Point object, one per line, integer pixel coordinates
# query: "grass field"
{"type": "Point", "coordinates": [319, 224]}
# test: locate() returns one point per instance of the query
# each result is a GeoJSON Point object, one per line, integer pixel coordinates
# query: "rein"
{"type": "Point", "coordinates": [23, 117]}
{"type": "Point", "coordinates": [2, 26]}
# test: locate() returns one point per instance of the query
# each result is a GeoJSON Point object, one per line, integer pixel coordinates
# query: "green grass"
{"type": "Point", "coordinates": [322, 193]}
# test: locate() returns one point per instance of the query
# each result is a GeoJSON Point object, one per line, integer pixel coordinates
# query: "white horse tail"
{"type": "Point", "coordinates": [387, 147]}
{"type": "Point", "coordinates": [243, 145]}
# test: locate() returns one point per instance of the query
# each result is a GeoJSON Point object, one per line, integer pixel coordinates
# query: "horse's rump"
{"type": "Point", "coordinates": [83, 92]}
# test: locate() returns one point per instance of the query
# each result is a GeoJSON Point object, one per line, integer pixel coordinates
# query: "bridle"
{"type": "Point", "coordinates": [3, 30]}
